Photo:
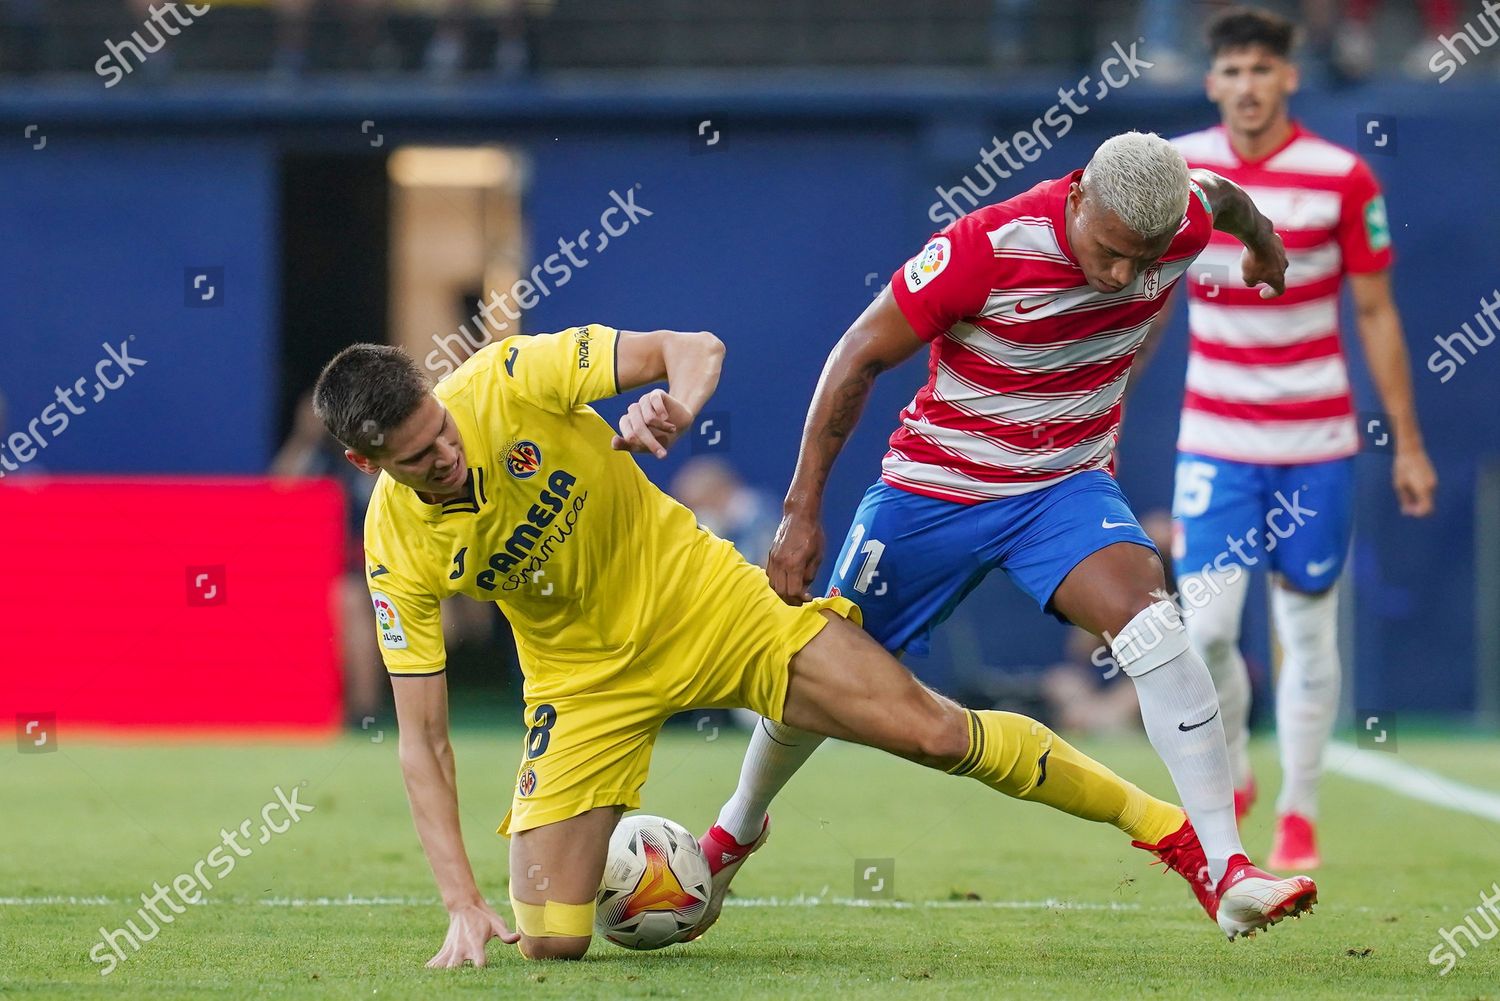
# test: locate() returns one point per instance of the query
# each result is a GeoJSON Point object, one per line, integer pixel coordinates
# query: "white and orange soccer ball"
{"type": "Point", "coordinates": [656, 884]}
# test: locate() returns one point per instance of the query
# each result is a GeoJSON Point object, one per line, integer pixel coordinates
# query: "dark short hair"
{"type": "Point", "coordinates": [1241, 27]}
{"type": "Point", "coordinates": [367, 390]}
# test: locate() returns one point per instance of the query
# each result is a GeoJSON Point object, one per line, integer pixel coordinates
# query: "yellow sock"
{"type": "Point", "coordinates": [1020, 757]}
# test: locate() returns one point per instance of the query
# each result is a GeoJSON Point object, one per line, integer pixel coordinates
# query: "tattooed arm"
{"type": "Point", "coordinates": [880, 339]}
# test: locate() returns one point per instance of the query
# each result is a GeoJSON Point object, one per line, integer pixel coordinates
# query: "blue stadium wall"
{"type": "Point", "coordinates": [775, 238]}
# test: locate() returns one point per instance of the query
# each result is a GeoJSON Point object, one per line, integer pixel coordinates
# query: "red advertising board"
{"type": "Point", "coordinates": [184, 605]}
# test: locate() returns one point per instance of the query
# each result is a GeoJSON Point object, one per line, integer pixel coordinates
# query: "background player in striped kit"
{"type": "Point", "coordinates": [1268, 421]}
{"type": "Point", "coordinates": [1033, 309]}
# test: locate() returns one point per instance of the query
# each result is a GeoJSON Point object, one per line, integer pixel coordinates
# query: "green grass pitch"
{"type": "Point", "coordinates": [994, 898]}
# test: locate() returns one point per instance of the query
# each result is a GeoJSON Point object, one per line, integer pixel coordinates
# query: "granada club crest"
{"type": "Point", "coordinates": [523, 459]}
{"type": "Point", "coordinates": [1152, 286]}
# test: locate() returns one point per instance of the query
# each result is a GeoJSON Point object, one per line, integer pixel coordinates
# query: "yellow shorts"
{"type": "Point", "coordinates": [731, 649]}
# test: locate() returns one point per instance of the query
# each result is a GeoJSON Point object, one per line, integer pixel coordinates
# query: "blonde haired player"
{"type": "Point", "coordinates": [502, 484]}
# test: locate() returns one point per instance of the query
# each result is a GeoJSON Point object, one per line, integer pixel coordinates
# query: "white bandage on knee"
{"type": "Point", "coordinates": [1153, 638]}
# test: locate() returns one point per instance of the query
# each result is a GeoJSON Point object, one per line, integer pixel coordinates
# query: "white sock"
{"type": "Point", "coordinates": [1214, 629]}
{"type": "Point", "coordinates": [776, 752]}
{"type": "Point", "coordinates": [1307, 692]}
{"type": "Point", "coordinates": [1183, 720]}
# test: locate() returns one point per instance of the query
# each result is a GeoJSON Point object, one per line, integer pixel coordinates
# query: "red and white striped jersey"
{"type": "Point", "coordinates": [1028, 363]}
{"type": "Point", "coordinates": [1266, 380]}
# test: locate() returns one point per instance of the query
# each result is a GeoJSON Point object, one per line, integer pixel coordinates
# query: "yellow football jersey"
{"type": "Point", "coordinates": [584, 555]}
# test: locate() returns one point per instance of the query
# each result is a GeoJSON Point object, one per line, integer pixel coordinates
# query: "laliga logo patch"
{"type": "Point", "coordinates": [928, 264]}
{"type": "Point", "coordinates": [526, 784]}
{"type": "Point", "coordinates": [1152, 284]}
{"type": "Point", "coordinates": [389, 621]}
{"type": "Point", "coordinates": [523, 459]}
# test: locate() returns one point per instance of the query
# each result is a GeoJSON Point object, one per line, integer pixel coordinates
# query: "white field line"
{"type": "Point", "coordinates": [1374, 767]}
{"type": "Point", "coordinates": [1389, 772]}
{"type": "Point", "coordinates": [798, 901]}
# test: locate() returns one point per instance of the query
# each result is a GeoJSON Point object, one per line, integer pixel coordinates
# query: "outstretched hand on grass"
{"type": "Point", "coordinates": [469, 930]}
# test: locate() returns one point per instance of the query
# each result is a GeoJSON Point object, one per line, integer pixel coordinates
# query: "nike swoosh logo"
{"type": "Point", "coordinates": [1185, 728]}
{"type": "Point", "coordinates": [1021, 309]}
{"type": "Point", "coordinates": [1321, 567]}
{"type": "Point", "coordinates": [1106, 523]}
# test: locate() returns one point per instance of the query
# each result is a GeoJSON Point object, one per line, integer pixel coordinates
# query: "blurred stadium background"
{"type": "Point", "coordinates": [234, 199]}
{"type": "Point", "coordinates": [193, 220]}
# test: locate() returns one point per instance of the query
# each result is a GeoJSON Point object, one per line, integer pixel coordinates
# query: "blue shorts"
{"type": "Point", "coordinates": [909, 560]}
{"type": "Point", "coordinates": [1295, 520]}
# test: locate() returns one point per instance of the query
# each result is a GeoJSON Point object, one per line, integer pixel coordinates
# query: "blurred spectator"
{"type": "Point", "coordinates": [1011, 30]}
{"type": "Point", "coordinates": [365, 43]}
{"type": "Point", "coordinates": [457, 22]}
{"type": "Point", "coordinates": [1080, 699]}
{"type": "Point", "coordinates": [1354, 43]}
{"type": "Point", "coordinates": [710, 488]}
{"type": "Point", "coordinates": [741, 515]}
{"type": "Point", "coordinates": [311, 452]}
{"type": "Point", "coordinates": [1168, 26]}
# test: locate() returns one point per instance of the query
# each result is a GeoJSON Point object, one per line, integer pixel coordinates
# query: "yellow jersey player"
{"type": "Point", "coordinates": [502, 484]}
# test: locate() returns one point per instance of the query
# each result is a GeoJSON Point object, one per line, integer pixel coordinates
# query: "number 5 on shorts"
{"type": "Point", "coordinates": [1195, 486]}
{"type": "Point", "coordinates": [540, 734]}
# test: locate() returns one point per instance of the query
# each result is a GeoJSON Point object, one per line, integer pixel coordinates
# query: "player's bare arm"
{"type": "Point", "coordinates": [428, 769]}
{"type": "Point", "coordinates": [1264, 259]}
{"type": "Point", "coordinates": [1380, 332]}
{"type": "Point", "coordinates": [689, 362]}
{"type": "Point", "coordinates": [880, 339]}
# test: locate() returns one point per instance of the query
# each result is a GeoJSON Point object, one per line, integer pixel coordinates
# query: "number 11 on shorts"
{"type": "Point", "coordinates": [871, 550]}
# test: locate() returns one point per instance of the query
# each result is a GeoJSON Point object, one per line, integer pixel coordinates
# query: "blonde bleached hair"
{"type": "Point", "coordinates": [1141, 178]}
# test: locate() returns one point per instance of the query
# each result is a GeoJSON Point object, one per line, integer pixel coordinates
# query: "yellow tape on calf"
{"type": "Point", "coordinates": [554, 919]}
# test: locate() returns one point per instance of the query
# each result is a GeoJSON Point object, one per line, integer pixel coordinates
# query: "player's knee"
{"type": "Point", "coordinates": [943, 739]}
{"type": "Point", "coordinates": [553, 947]}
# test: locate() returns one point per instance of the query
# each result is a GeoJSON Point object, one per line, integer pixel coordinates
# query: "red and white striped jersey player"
{"type": "Point", "coordinates": [1031, 311]}
{"type": "Point", "coordinates": [1265, 473]}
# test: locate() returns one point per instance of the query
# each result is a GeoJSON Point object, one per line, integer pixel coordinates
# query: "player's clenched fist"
{"type": "Point", "coordinates": [1265, 263]}
{"type": "Point", "coordinates": [796, 555]}
{"type": "Point", "coordinates": [652, 424]}
{"type": "Point", "coordinates": [469, 929]}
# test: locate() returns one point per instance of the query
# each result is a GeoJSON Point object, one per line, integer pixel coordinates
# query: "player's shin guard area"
{"type": "Point", "coordinates": [1023, 758]}
{"type": "Point", "coordinates": [554, 919]}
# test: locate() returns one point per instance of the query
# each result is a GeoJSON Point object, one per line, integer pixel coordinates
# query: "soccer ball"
{"type": "Point", "coordinates": [656, 884]}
